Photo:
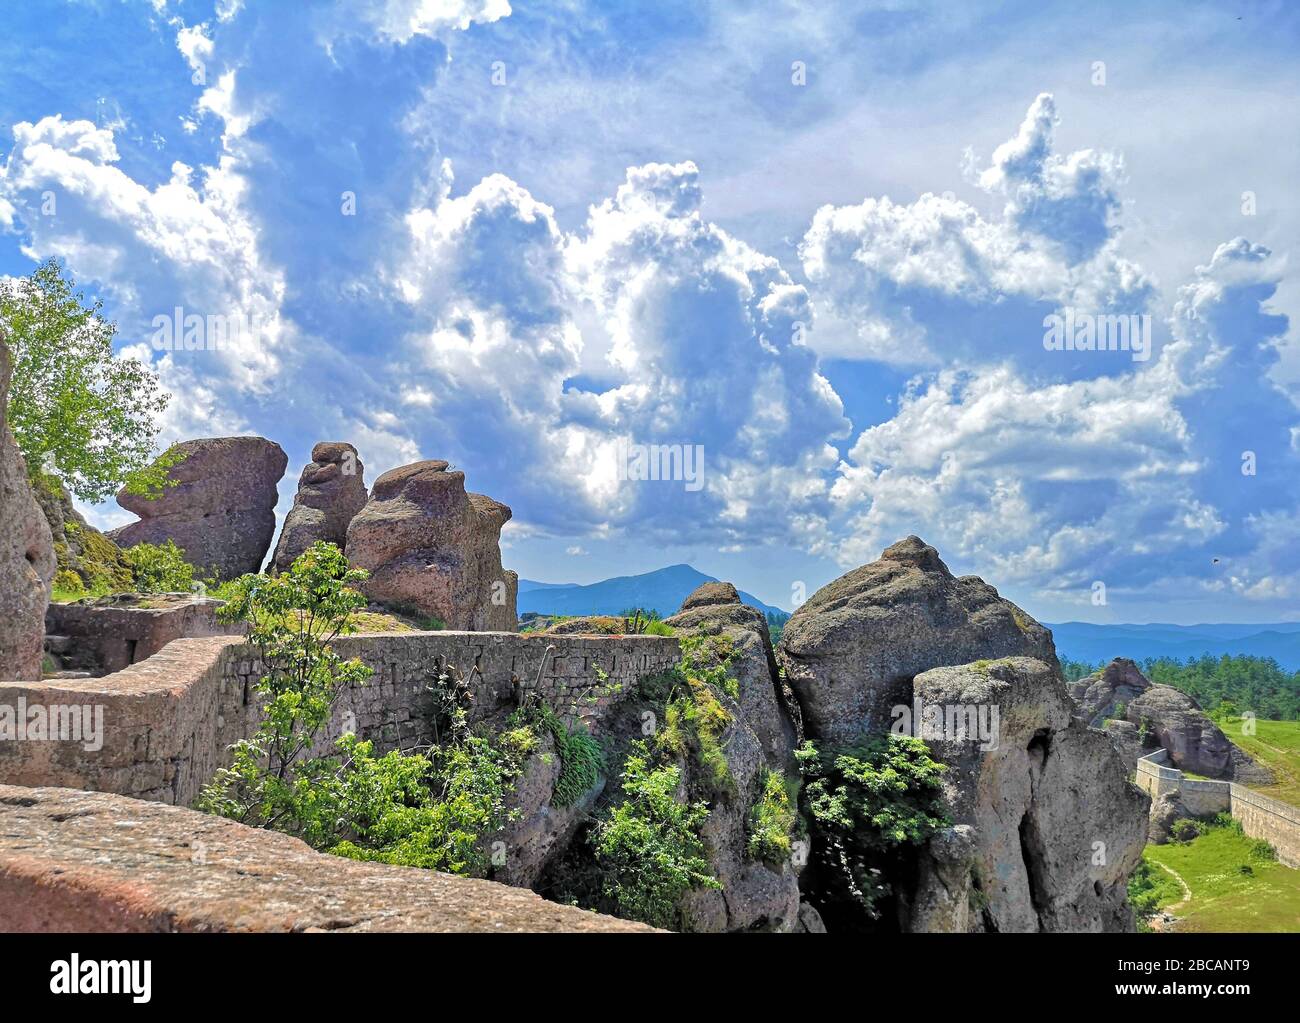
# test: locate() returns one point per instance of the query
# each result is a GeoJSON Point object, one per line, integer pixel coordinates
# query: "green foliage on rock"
{"type": "Point", "coordinates": [76, 410]}
{"type": "Point", "coordinates": [160, 568]}
{"type": "Point", "coordinates": [868, 805]}
{"type": "Point", "coordinates": [772, 819]}
{"type": "Point", "coordinates": [582, 759]}
{"type": "Point", "coordinates": [648, 849]}
{"type": "Point", "coordinates": [430, 808]}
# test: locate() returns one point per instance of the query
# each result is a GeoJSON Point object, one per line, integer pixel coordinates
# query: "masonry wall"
{"type": "Point", "coordinates": [1276, 822]}
{"type": "Point", "coordinates": [107, 639]}
{"type": "Point", "coordinates": [168, 721]}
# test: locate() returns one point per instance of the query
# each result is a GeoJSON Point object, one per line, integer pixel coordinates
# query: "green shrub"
{"type": "Point", "coordinates": [1185, 829]}
{"type": "Point", "coordinates": [159, 568]}
{"type": "Point", "coordinates": [582, 760]}
{"type": "Point", "coordinates": [68, 585]}
{"type": "Point", "coordinates": [772, 819]}
{"type": "Point", "coordinates": [648, 848]}
{"type": "Point", "coordinates": [428, 809]}
{"type": "Point", "coordinates": [867, 804]}
{"type": "Point", "coordinates": [694, 722]}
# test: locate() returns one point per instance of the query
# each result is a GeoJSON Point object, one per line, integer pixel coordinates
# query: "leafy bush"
{"type": "Point", "coordinates": [867, 804]}
{"type": "Point", "coordinates": [582, 760]}
{"type": "Point", "coordinates": [694, 722]}
{"type": "Point", "coordinates": [159, 568]}
{"type": "Point", "coordinates": [1148, 888]}
{"type": "Point", "coordinates": [423, 809]}
{"type": "Point", "coordinates": [68, 585]}
{"type": "Point", "coordinates": [1185, 829]}
{"type": "Point", "coordinates": [772, 819]}
{"type": "Point", "coordinates": [648, 848]}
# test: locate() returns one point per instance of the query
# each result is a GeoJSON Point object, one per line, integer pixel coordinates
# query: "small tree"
{"type": "Point", "coordinates": [431, 808]}
{"type": "Point", "coordinates": [292, 620]}
{"type": "Point", "coordinates": [76, 411]}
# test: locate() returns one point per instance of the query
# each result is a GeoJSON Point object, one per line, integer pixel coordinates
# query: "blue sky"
{"type": "Point", "coordinates": [819, 241]}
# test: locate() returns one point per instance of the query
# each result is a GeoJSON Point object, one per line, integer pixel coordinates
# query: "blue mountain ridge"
{"type": "Point", "coordinates": [662, 590]}
{"type": "Point", "coordinates": [1084, 641]}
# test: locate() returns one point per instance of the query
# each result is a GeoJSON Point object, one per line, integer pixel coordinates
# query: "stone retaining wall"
{"type": "Point", "coordinates": [1276, 822]}
{"type": "Point", "coordinates": [105, 638]}
{"type": "Point", "coordinates": [168, 721]}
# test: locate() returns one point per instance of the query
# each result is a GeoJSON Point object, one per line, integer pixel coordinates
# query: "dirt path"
{"type": "Point", "coordinates": [1158, 923]}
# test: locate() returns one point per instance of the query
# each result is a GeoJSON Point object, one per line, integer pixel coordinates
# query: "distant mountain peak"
{"type": "Point", "coordinates": [662, 590]}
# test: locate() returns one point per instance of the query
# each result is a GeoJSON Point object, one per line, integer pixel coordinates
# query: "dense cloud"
{"type": "Point", "coordinates": [418, 315]}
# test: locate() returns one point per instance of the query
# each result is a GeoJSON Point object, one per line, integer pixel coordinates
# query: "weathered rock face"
{"type": "Point", "coordinates": [1102, 693]}
{"type": "Point", "coordinates": [79, 547]}
{"type": "Point", "coordinates": [1153, 716]}
{"type": "Point", "coordinates": [331, 491]}
{"type": "Point", "coordinates": [1048, 827]}
{"type": "Point", "coordinates": [1165, 809]}
{"type": "Point", "coordinates": [1195, 743]}
{"type": "Point", "coordinates": [851, 651]}
{"type": "Point", "coordinates": [27, 561]}
{"type": "Point", "coordinates": [222, 510]}
{"type": "Point", "coordinates": [432, 548]}
{"type": "Point", "coordinates": [754, 895]}
{"type": "Point", "coordinates": [91, 861]}
{"type": "Point", "coordinates": [714, 609]}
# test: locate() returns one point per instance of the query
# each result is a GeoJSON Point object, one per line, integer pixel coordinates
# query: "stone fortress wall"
{"type": "Point", "coordinates": [167, 721]}
{"type": "Point", "coordinates": [1275, 822]}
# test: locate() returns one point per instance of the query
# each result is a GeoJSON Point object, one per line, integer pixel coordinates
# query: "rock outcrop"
{"type": "Point", "coordinates": [1047, 826]}
{"type": "Point", "coordinates": [851, 651]}
{"type": "Point", "coordinates": [27, 562]}
{"type": "Point", "coordinates": [1107, 693]}
{"type": "Point", "coordinates": [331, 490]}
{"type": "Point", "coordinates": [1160, 716]}
{"type": "Point", "coordinates": [433, 549]}
{"type": "Point", "coordinates": [91, 861]}
{"type": "Point", "coordinates": [1165, 810]}
{"type": "Point", "coordinates": [80, 548]}
{"type": "Point", "coordinates": [760, 736]}
{"type": "Point", "coordinates": [221, 512]}
{"type": "Point", "coordinates": [714, 609]}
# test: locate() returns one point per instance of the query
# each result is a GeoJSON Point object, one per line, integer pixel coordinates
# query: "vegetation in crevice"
{"type": "Point", "coordinates": [773, 819]}
{"type": "Point", "coordinates": [869, 805]}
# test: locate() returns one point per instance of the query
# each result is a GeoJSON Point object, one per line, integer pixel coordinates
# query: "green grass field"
{"type": "Point", "coordinates": [1234, 888]}
{"type": "Point", "coordinates": [1276, 745]}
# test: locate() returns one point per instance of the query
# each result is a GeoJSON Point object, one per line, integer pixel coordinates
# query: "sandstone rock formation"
{"type": "Point", "coordinates": [432, 548]}
{"type": "Point", "coordinates": [715, 609]}
{"type": "Point", "coordinates": [761, 735]}
{"type": "Point", "coordinates": [1101, 694]}
{"type": "Point", "coordinates": [27, 562]}
{"type": "Point", "coordinates": [1165, 810]}
{"type": "Point", "coordinates": [1161, 716]}
{"type": "Point", "coordinates": [79, 547]}
{"type": "Point", "coordinates": [222, 510]}
{"type": "Point", "coordinates": [1048, 828]}
{"type": "Point", "coordinates": [91, 861]}
{"type": "Point", "coordinates": [331, 491]}
{"type": "Point", "coordinates": [850, 652]}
